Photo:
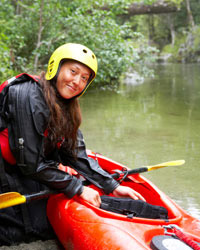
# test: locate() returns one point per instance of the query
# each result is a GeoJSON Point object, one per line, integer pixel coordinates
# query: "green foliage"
{"type": "Point", "coordinates": [175, 49]}
{"type": "Point", "coordinates": [33, 29]}
{"type": "Point", "coordinates": [186, 47]}
{"type": "Point", "coordinates": [162, 28]}
{"type": "Point", "coordinates": [149, 2]}
{"type": "Point", "coordinates": [196, 35]}
{"type": "Point", "coordinates": [191, 47]}
{"type": "Point", "coordinates": [5, 52]}
{"type": "Point", "coordinates": [177, 2]}
{"type": "Point", "coordinates": [108, 41]}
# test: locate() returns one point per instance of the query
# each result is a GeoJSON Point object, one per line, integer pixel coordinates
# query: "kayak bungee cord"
{"type": "Point", "coordinates": [177, 232]}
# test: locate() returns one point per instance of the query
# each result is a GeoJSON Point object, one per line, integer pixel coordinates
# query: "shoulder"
{"type": "Point", "coordinates": [22, 82]}
{"type": "Point", "coordinates": [26, 94]}
{"type": "Point", "coordinates": [26, 89]}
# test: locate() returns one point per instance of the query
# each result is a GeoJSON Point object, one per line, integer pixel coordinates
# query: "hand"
{"type": "Point", "coordinates": [122, 191]}
{"type": "Point", "coordinates": [92, 196]}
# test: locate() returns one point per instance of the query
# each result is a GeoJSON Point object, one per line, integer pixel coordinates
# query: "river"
{"type": "Point", "coordinates": [151, 123]}
{"type": "Point", "coordinates": [147, 124]}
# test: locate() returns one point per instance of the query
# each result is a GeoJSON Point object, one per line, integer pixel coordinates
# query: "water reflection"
{"type": "Point", "coordinates": [151, 123]}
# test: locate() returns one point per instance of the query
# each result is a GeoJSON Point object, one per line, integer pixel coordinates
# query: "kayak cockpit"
{"type": "Point", "coordinates": [80, 225]}
{"type": "Point", "coordinates": [143, 186]}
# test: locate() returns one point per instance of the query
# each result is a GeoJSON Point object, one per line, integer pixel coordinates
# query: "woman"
{"type": "Point", "coordinates": [39, 124]}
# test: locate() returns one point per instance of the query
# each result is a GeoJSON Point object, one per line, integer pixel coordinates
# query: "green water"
{"type": "Point", "coordinates": [151, 123]}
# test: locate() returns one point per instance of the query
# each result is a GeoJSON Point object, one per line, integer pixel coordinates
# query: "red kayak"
{"type": "Point", "coordinates": [81, 226]}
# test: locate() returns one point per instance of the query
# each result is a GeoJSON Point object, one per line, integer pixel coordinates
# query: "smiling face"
{"type": "Point", "coordinates": [72, 79]}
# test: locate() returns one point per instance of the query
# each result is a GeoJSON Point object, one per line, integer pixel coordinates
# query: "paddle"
{"type": "Point", "coordinates": [13, 198]}
{"type": "Point", "coordinates": [149, 168]}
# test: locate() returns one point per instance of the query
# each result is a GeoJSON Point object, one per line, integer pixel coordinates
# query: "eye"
{"type": "Point", "coordinates": [73, 71]}
{"type": "Point", "coordinates": [85, 79]}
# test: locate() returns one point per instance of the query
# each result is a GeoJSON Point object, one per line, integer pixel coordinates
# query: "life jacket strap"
{"type": "Point", "coordinates": [3, 179]}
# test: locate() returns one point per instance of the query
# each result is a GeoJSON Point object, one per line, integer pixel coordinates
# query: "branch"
{"type": "Point", "coordinates": [156, 8]}
{"type": "Point", "coordinates": [159, 7]}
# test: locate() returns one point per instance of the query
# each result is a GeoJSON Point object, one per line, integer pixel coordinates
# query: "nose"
{"type": "Point", "coordinates": [76, 79]}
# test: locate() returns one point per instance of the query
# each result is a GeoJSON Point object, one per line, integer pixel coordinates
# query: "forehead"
{"type": "Point", "coordinates": [78, 65]}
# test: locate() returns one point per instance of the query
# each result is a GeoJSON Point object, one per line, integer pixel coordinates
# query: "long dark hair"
{"type": "Point", "coordinates": [65, 117]}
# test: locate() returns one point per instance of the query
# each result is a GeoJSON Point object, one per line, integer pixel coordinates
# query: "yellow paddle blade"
{"type": "Point", "coordinates": [11, 199]}
{"type": "Point", "coordinates": [166, 164]}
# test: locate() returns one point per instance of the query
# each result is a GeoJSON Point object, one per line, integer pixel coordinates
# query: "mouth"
{"type": "Point", "coordinates": [72, 88]}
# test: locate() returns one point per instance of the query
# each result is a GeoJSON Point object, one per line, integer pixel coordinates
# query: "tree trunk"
{"type": "Point", "coordinates": [155, 8]}
{"type": "Point", "coordinates": [17, 7]}
{"type": "Point", "coordinates": [39, 35]}
{"type": "Point", "coordinates": [151, 28]}
{"type": "Point", "coordinates": [189, 14]}
{"type": "Point", "coordinates": [172, 30]}
{"type": "Point", "coordinates": [159, 7]}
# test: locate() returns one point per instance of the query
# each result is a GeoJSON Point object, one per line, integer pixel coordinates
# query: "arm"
{"type": "Point", "coordinates": [28, 120]}
{"type": "Point", "coordinates": [88, 167]}
{"type": "Point", "coordinates": [91, 170]}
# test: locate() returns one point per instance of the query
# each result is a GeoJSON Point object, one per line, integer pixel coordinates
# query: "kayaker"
{"type": "Point", "coordinates": [39, 124]}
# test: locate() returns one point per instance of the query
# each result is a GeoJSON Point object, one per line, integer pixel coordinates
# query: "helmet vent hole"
{"type": "Point", "coordinates": [51, 62]}
{"type": "Point", "coordinates": [93, 56]}
{"type": "Point", "coordinates": [84, 50]}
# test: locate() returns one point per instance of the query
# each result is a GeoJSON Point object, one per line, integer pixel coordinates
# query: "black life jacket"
{"type": "Point", "coordinates": [26, 222]}
{"type": "Point", "coordinates": [4, 142]}
{"type": "Point", "coordinates": [4, 90]}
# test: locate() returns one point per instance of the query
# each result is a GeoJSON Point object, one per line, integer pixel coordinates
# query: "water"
{"type": "Point", "coordinates": [151, 123]}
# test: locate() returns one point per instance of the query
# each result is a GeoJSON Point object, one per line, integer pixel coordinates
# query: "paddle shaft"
{"type": "Point", "coordinates": [149, 168]}
{"type": "Point", "coordinates": [132, 171]}
{"type": "Point", "coordinates": [14, 198]}
{"type": "Point", "coordinates": [41, 195]}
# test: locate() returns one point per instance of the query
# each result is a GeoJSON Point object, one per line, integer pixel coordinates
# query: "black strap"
{"type": "Point", "coordinates": [5, 187]}
{"type": "Point", "coordinates": [14, 184]}
{"type": "Point", "coordinates": [131, 208]}
{"type": "Point", "coordinates": [24, 209]}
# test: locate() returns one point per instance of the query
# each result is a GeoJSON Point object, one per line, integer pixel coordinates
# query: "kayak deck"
{"type": "Point", "coordinates": [79, 225]}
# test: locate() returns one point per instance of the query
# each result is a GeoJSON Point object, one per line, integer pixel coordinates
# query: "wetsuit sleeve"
{"type": "Point", "coordinates": [88, 167]}
{"type": "Point", "coordinates": [27, 122]}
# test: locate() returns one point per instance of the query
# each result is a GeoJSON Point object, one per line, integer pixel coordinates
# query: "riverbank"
{"type": "Point", "coordinates": [37, 245]}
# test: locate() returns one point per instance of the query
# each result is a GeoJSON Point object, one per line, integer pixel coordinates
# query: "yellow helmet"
{"type": "Point", "coordinates": [75, 52]}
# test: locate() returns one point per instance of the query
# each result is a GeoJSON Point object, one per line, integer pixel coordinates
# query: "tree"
{"type": "Point", "coordinates": [35, 28]}
{"type": "Point", "coordinates": [189, 14]}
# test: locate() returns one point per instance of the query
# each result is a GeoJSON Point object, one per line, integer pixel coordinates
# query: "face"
{"type": "Point", "coordinates": [72, 79]}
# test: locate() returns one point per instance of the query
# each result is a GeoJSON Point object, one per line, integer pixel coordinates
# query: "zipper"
{"type": "Point", "coordinates": [20, 126]}
{"type": "Point", "coordinates": [21, 152]}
